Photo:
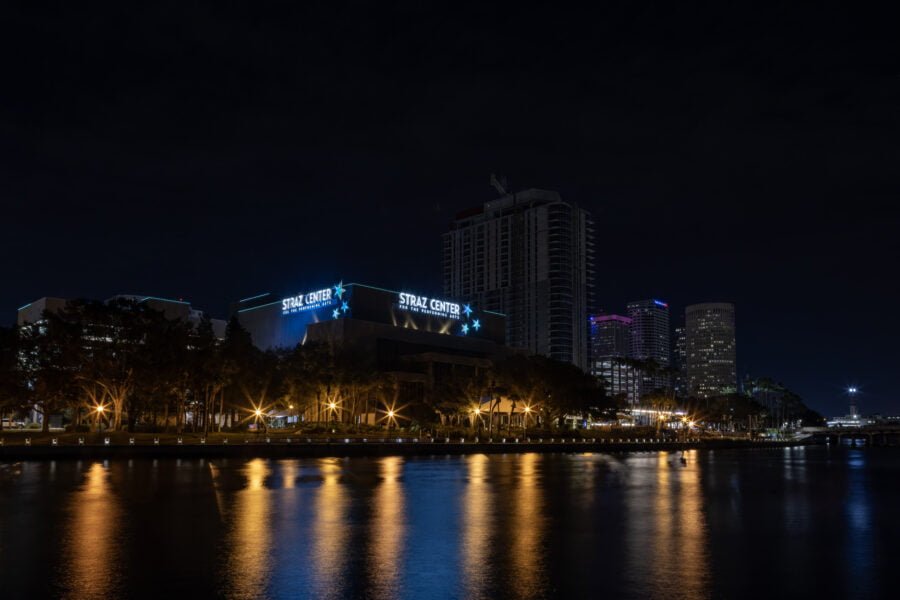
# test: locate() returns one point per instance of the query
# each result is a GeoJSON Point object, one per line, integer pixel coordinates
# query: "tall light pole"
{"type": "Point", "coordinates": [526, 411]}
{"type": "Point", "coordinates": [332, 406]}
{"type": "Point", "coordinates": [491, 411]}
{"type": "Point", "coordinates": [258, 416]}
{"type": "Point", "coordinates": [100, 410]}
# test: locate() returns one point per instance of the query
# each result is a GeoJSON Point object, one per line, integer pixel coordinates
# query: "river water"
{"type": "Point", "coordinates": [802, 522]}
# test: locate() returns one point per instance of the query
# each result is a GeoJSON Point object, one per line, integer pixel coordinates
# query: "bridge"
{"type": "Point", "coordinates": [876, 434]}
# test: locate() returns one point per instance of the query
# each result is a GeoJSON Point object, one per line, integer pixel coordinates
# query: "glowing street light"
{"type": "Point", "coordinates": [100, 409]}
{"type": "Point", "coordinates": [257, 417]}
{"type": "Point", "coordinates": [476, 420]}
{"type": "Point", "coordinates": [332, 407]}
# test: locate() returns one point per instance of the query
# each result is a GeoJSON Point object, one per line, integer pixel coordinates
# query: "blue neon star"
{"type": "Point", "coordinates": [335, 313]}
{"type": "Point", "coordinates": [467, 310]}
{"type": "Point", "coordinates": [345, 307]}
{"type": "Point", "coordinates": [339, 289]}
{"type": "Point", "coordinates": [476, 324]}
{"type": "Point", "coordinates": [465, 328]}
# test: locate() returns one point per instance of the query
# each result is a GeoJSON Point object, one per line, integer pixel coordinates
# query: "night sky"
{"type": "Point", "coordinates": [210, 153]}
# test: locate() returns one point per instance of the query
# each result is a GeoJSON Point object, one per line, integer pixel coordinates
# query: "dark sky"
{"type": "Point", "coordinates": [211, 153]}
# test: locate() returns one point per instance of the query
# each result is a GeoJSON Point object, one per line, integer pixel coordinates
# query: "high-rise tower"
{"type": "Point", "coordinates": [529, 255]}
{"type": "Point", "coordinates": [650, 340]}
{"type": "Point", "coordinates": [610, 350]}
{"type": "Point", "coordinates": [711, 354]}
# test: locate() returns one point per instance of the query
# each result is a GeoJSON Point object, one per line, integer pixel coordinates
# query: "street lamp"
{"type": "Point", "coordinates": [390, 417]}
{"type": "Point", "coordinates": [527, 411]}
{"type": "Point", "coordinates": [257, 415]}
{"type": "Point", "coordinates": [100, 408]}
{"type": "Point", "coordinates": [332, 406]}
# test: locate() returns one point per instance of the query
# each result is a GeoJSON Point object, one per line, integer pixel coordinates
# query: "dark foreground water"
{"type": "Point", "coordinates": [803, 522]}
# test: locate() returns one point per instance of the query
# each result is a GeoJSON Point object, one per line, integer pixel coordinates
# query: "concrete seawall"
{"type": "Point", "coordinates": [318, 449]}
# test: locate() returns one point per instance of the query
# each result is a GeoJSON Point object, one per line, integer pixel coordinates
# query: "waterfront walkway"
{"type": "Point", "coordinates": [22, 446]}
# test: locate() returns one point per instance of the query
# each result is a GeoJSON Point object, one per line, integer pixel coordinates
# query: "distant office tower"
{"type": "Point", "coordinates": [650, 341]}
{"type": "Point", "coordinates": [610, 349]}
{"type": "Point", "coordinates": [610, 336]}
{"type": "Point", "coordinates": [529, 255]}
{"type": "Point", "coordinates": [711, 354]}
{"type": "Point", "coordinates": [679, 361]}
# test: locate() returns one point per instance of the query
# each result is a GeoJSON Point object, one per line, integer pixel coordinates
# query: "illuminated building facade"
{"type": "Point", "coordinates": [530, 256]}
{"type": "Point", "coordinates": [610, 336]}
{"type": "Point", "coordinates": [679, 361]}
{"type": "Point", "coordinates": [610, 350]}
{"type": "Point", "coordinates": [711, 364]}
{"type": "Point", "coordinates": [416, 338]}
{"type": "Point", "coordinates": [650, 341]}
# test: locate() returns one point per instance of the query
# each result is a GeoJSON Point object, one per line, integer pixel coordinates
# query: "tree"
{"type": "Point", "coordinates": [456, 395]}
{"type": "Point", "coordinates": [558, 388]}
{"type": "Point", "coordinates": [11, 383]}
{"type": "Point", "coordinates": [49, 357]}
{"type": "Point", "coordinates": [244, 368]}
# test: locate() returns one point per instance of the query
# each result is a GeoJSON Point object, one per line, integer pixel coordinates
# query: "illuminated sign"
{"type": "Point", "coordinates": [428, 306]}
{"type": "Point", "coordinates": [308, 301]}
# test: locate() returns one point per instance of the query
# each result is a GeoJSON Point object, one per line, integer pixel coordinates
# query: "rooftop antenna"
{"type": "Point", "coordinates": [499, 184]}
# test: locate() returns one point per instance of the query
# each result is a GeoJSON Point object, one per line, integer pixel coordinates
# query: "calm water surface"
{"type": "Point", "coordinates": [803, 522]}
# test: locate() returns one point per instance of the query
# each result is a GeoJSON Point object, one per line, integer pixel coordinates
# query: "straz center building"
{"type": "Point", "coordinates": [418, 339]}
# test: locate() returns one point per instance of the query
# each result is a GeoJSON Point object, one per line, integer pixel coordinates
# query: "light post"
{"type": "Point", "coordinates": [100, 410]}
{"type": "Point", "coordinates": [477, 420]}
{"type": "Point", "coordinates": [390, 417]}
{"type": "Point", "coordinates": [332, 407]}
{"type": "Point", "coordinates": [491, 411]}
{"type": "Point", "coordinates": [258, 415]}
{"type": "Point", "coordinates": [527, 411]}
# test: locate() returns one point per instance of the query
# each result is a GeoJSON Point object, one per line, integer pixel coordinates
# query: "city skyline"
{"type": "Point", "coordinates": [718, 166]}
{"type": "Point", "coordinates": [420, 301]}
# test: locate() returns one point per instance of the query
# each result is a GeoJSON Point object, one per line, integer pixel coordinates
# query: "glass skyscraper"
{"type": "Point", "coordinates": [650, 341]}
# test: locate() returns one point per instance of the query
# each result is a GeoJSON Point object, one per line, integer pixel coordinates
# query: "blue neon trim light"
{"type": "Point", "coordinates": [254, 297]}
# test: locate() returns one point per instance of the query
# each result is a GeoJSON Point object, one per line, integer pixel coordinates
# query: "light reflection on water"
{"type": "Point", "coordinates": [388, 526]}
{"type": "Point", "coordinates": [477, 528]}
{"type": "Point", "coordinates": [667, 535]}
{"type": "Point", "coordinates": [249, 544]}
{"type": "Point", "coordinates": [528, 521]}
{"type": "Point", "coordinates": [92, 538]}
{"type": "Point", "coordinates": [329, 532]}
{"type": "Point", "coordinates": [500, 526]}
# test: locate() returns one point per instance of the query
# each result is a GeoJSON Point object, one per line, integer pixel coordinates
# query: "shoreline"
{"type": "Point", "coordinates": [344, 449]}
